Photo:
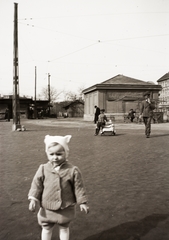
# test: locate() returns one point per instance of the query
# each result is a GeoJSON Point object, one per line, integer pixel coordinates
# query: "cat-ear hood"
{"type": "Point", "coordinates": [62, 140]}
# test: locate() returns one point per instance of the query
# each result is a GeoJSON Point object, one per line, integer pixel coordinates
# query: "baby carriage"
{"type": "Point", "coordinates": [108, 128]}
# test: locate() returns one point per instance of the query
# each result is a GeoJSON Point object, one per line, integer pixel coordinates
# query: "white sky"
{"type": "Point", "coordinates": [83, 42]}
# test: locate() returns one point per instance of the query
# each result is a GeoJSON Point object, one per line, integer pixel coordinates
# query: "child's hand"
{"type": "Point", "coordinates": [32, 205]}
{"type": "Point", "coordinates": [84, 207]}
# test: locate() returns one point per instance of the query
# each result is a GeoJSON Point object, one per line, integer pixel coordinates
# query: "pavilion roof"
{"type": "Point", "coordinates": [121, 79]}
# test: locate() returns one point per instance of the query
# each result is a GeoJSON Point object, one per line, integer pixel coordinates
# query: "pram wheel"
{"type": "Point", "coordinates": [113, 133]}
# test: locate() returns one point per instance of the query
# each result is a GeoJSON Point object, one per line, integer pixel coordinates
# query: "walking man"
{"type": "Point", "coordinates": [96, 114]}
{"type": "Point", "coordinates": [146, 112]}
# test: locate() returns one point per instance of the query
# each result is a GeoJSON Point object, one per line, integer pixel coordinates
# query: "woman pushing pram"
{"type": "Point", "coordinates": [102, 119]}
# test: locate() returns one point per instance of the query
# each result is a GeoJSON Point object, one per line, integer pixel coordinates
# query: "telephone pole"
{"type": "Point", "coordinates": [35, 95]}
{"type": "Point", "coordinates": [15, 100]}
{"type": "Point", "coordinates": [49, 92]}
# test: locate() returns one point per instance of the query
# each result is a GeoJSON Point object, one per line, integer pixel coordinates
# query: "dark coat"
{"type": "Point", "coordinates": [97, 113]}
{"type": "Point", "coordinates": [147, 109]}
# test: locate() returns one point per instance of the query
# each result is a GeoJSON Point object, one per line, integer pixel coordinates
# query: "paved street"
{"type": "Point", "coordinates": [126, 177]}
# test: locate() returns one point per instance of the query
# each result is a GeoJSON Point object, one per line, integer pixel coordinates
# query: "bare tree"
{"type": "Point", "coordinates": [72, 96]}
{"type": "Point", "coordinates": [54, 94]}
{"type": "Point", "coordinates": [80, 92]}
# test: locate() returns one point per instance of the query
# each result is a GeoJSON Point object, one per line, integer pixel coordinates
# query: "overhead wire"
{"type": "Point", "coordinates": [73, 52]}
{"type": "Point", "coordinates": [158, 35]}
{"type": "Point", "coordinates": [48, 29]}
{"type": "Point", "coordinates": [108, 40]}
{"type": "Point", "coordinates": [98, 41]}
{"type": "Point", "coordinates": [93, 15]}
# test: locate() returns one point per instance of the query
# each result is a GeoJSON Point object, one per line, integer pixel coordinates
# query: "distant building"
{"type": "Point", "coordinates": [117, 96]}
{"type": "Point", "coordinates": [164, 96]}
{"type": "Point", "coordinates": [27, 106]}
{"type": "Point", "coordinates": [164, 93]}
{"type": "Point", "coordinates": [75, 109]}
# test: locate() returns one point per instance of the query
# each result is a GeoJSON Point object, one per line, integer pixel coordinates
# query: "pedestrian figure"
{"type": "Point", "coordinates": [102, 119]}
{"type": "Point", "coordinates": [7, 118]}
{"type": "Point", "coordinates": [96, 114]}
{"type": "Point", "coordinates": [131, 115]}
{"type": "Point", "coordinates": [146, 112]}
{"type": "Point", "coordinates": [31, 111]}
{"type": "Point", "coordinates": [57, 186]}
{"type": "Point", "coordinates": [42, 113]}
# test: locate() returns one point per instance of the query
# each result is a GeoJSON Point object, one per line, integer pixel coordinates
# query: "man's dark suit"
{"type": "Point", "coordinates": [147, 112]}
{"type": "Point", "coordinates": [97, 113]}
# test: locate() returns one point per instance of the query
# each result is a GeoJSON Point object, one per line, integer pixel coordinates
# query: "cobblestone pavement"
{"type": "Point", "coordinates": [126, 178]}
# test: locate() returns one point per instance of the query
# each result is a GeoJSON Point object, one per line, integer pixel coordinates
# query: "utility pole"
{"type": "Point", "coordinates": [49, 92]}
{"type": "Point", "coordinates": [35, 95]}
{"type": "Point", "coordinates": [15, 99]}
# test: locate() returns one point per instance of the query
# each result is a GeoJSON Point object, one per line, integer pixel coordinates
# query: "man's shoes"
{"type": "Point", "coordinates": [147, 136]}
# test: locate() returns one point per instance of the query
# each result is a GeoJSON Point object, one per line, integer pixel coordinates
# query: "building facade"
{"type": "Point", "coordinates": [117, 96]}
{"type": "Point", "coordinates": [75, 109]}
{"type": "Point", "coordinates": [164, 96]}
{"type": "Point", "coordinates": [27, 106]}
{"type": "Point", "coordinates": [164, 93]}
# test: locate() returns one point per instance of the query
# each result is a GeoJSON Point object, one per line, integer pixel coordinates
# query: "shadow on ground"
{"type": "Point", "coordinates": [110, 135]}
{"type": "Point", "coordinates": [131, 230]}
{"type": "Point", "coordinates": [160, 135]}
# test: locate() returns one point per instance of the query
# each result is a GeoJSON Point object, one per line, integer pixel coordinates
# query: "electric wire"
{"type": "Point", "coordinates": [93, 15]}
{"type": "Point", "coordinates": [98, 41]}
{"type": "Point", "coordinates": [48, 29]}
{"type": "Point", "coordinates": [121, 39]}
{"type": "Point", "coordinates": [108, 40]}
{"type": "Point", "coordinates": [73, 52]}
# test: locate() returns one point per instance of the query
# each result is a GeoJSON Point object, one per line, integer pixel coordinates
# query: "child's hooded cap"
{"type": "Point", "coordinates": [63, 141]}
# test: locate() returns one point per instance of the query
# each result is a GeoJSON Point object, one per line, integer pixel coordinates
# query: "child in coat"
{"type": "Point", "coordinates": [102, 119]}
{"type": "Point", "coordinates": [57, 186]}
